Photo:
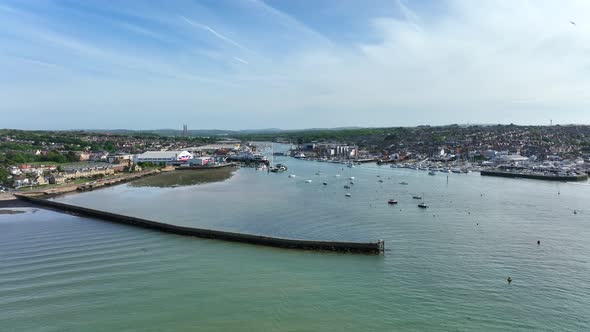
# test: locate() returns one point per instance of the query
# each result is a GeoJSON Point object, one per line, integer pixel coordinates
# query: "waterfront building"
{"type": "Point", "coordinates": [163, 157]}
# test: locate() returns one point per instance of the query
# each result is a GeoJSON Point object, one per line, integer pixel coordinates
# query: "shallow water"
{"type": "Point", "coordinates": [445, 267]}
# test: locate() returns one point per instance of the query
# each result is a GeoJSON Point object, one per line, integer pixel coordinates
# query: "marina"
{"type": "Point", "coordinates": [432, 254]}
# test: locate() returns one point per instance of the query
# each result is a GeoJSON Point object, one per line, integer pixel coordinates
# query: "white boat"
{"type": "Point", "coordinates": [347, 195]}
{"type": "Point", "coordinates": [292, 175]}
{"type": "Point", "coordinates": [307, 181]}
{"type": "Point", "coordinates": [351, 178]}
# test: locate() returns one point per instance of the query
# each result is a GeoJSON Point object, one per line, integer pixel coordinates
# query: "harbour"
{"type": "Point", "coordinates": [451, 260]}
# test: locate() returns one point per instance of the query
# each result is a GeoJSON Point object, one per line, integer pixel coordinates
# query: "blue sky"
{"type": "Point", "coordinates": [246, 64]}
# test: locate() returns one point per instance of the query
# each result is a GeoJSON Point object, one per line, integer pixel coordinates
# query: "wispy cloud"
{"type": "Point", "coordinates": [289, 20]}
{"type": "Point", "coordinates": [241, 60]}
{"type": "Point", "coordinates": [215, 33]}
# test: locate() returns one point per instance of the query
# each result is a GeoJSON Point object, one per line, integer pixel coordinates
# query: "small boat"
{"type": "Point", "coordinates": [325, 183]}
{"type": "Point", "coordinates": [417, 197]}
{"type": "Point", "coordinates": [351, 178]}
{"type": "Point", "coordinates": [337, 174]}
{"type": "Point", "coordinates": [432, 173]}
{"type": "Point", "coordinates": [422, 205]}
{"type": "Point", "coordinates": [318, 173]}
{"type": "Point", "coordinates": [351, 182]}
{"type": "Point", "coordinates": [392, 201]}
{"type": "Point", "coordinates": [346, 186]}
{"type": "Point", "coordinates": [307, 181]}
{"type": "Point", "coordinates": [347, 195]}
{"type": "Point", "coordinates": [381, 181]}
{"type": "Point", "coordinates": [292, 175]}
{"type": "Point", "coordinates": [404, 183]}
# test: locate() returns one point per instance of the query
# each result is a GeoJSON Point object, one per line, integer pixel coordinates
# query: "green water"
{"type": "Point", "coordinates": [445, 267]}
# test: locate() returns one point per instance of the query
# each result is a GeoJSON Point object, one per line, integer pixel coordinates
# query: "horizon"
{"type": "Point", "coordinates": [290, 65]}
{"type": "Point", "coordinates": [258, 130]}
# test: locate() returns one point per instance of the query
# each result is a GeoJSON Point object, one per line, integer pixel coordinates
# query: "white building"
{"type": "Point", "coordinates": [163, 157]}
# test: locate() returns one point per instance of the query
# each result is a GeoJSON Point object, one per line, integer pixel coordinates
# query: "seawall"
{"type": "Point", "coordinates": [353, 247]}
{"type": "Point", "coordinates": [535, 176]}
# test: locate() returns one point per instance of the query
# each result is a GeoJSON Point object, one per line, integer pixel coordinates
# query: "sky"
{"type": "Point", "coordinates": [252, 64]}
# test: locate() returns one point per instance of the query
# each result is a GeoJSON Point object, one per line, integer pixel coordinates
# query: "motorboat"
{"type": "Point", "coordinates": [417, 197]}
{"type": "Point", "coordinates": [404, 183]}
{"type": "Point", "coordinates": [347, 195]}
{"type": "Point", "coordinates": [422, 205]}
{"type": "Point", "coordinates": [308, 181]}
{"type": "Point", "coordinates": [325, 183]}
{"type": "Point", "coordinates": [392, 201]}
{"type": "Point", "coordinates": [432, 173]}
{"type": "Point", "coordinates": [346, 186]}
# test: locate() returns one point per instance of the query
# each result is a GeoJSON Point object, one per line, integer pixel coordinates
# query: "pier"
{"type": "Point", "coordinates": [555, 177]}
{"type": "Point", "coordinates": [351, 247]}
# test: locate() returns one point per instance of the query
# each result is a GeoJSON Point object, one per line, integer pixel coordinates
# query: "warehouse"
{"type": "Point", "coordinates": [169, 157]}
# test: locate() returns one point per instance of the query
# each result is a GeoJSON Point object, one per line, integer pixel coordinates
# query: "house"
{"type": "Point", "coordinates": [56, 179]}
{"type": "Point", "coordinates": [119, 158]}
{"type": "Point", "coordinates": [40, 180]}
{"type": "Point", "coordinates": [83, 156]}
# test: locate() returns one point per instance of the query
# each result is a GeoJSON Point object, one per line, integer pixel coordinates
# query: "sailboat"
{"type": "Point", "coordinates": [422, 204]}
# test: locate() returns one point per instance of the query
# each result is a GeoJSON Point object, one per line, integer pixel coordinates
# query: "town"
{"type": "Point", "coordinates": [42, 159]}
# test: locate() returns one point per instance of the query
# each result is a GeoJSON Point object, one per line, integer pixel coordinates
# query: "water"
{"type": "Point", "coordinates": [445, 268]}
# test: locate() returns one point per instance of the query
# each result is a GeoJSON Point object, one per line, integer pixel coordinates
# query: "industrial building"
{"type": "Point", "coordinates": [168, 157]}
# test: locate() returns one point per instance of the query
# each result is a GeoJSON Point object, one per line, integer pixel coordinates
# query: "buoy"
{"type": "Point", "coordinates": [509, 279]}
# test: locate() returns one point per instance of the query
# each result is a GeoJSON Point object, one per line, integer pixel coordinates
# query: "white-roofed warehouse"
{"type": "Point", "coordinates": [163, 156]}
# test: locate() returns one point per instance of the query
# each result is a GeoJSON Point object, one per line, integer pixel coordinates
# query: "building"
{"type": "Point", "coordinates": [224, 148]}
{"type": "Point", "coordinates": [56, 179]}
{"type": "Point", "coordinates": [119, 158]}
{"type": "Point", "coordinates": [163, 157]}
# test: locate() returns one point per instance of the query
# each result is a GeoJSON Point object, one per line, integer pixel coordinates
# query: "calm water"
{"type": "Point", "coordinates": [445, 268]}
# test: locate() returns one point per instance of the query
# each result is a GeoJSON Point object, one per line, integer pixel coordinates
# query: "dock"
{"type": "Point", "coordinates": [582, 177]}
{"type": "Point", "coordinates": [374, 248]}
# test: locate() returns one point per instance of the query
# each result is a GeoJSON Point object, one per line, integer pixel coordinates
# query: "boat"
{"type": "Point", "coordinates": [292, 175]}
{"type": "Point", "coordinates": [351, 178]}
{"type": "Point", "coordinates": [347, 195]}
{"type": "Point", "coordinates": [351, 182]}
{"type": "Point", "coordinates": [278, 168]}
{"type": "Point", "coordinates": [381, 181]}
{"type": "Point", "coordinates": [308, 181]}
{"type": "Point", "coordinates": [392, 201]}
{"type": "Point", "coordinates": [422, 205]}
{"type": "Point", "coordinates": [432, 173]}
{"type": "Point", "coordinates": [350, 165]}
{"type": "Point", "coordinates": [325, 183]}
{"type": "Point", "coordinates": [346, 186]}
{"type": "Point", "coordinates": [404, 183]}
{"type": "Point", "coordinates": [318, 173]}
{"type": "Point", "coordinates": [417, 197]}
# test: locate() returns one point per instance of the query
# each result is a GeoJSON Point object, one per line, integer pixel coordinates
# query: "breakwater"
{"type": "Point", "coordinates": [353, 247]}
{"type": "Point", "coordinates": [535, 176]}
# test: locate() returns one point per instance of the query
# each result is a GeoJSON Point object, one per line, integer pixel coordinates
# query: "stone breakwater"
{"type": "Point", "coordinates": [352, 247]}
